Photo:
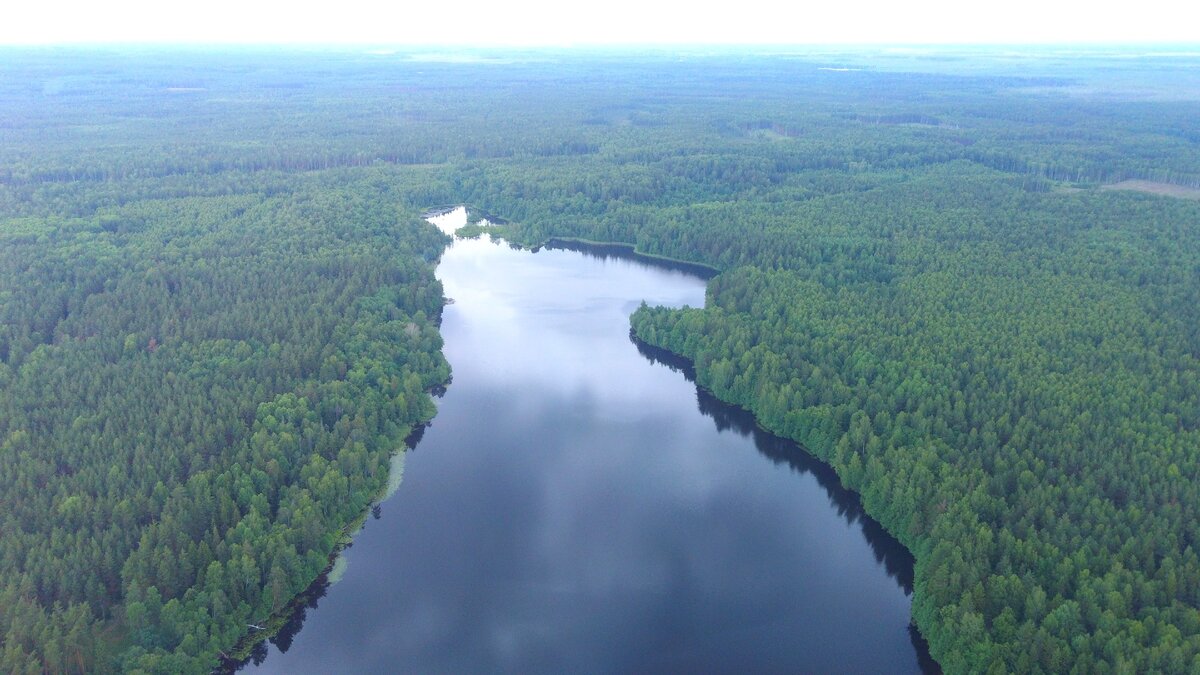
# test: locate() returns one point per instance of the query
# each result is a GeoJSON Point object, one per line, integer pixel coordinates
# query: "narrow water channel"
{"type": "Point", "coordinates": [579, 506]}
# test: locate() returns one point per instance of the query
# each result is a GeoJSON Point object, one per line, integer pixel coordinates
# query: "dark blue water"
{"type": "Point", "coordinates": [578, 506]}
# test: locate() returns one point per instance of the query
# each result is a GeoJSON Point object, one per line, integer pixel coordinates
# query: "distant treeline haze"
{"type": "Point", "coordinates": [218, 319]}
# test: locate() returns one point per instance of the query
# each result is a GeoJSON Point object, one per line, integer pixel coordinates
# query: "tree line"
{"type": "Point", "coordinates": [218, 320]}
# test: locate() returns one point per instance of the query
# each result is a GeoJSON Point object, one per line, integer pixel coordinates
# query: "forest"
{"type": "Point", "coordinates": [219, 315]}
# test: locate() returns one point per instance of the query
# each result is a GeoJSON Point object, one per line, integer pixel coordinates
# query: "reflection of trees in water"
{"type": "Point", "coordinates": [627, 252]}
{"type": "Point", "coordinates": [924, 661]}
{"type": "Point", "coordinates": [896, 559]}
{"type": "Point", "coordinates": [414, 437]}
{"type": "Point", "coordinates": [283, 639]}
{"type": "Point", "coordinates": [297, 611]}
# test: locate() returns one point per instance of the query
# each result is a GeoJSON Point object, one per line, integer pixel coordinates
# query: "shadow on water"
{"type": "Point", "coordinates": [601, 251]}
{"type": "Point", "coordinates": [896, 559]}
{"type": "Point", "coordinates": [294, 615]}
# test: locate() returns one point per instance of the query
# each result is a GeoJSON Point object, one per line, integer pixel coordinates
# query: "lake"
{"type": "Point", "coordinates": [577, 505]}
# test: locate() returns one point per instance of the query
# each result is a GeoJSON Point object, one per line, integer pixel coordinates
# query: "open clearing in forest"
{"type": "Point", "coordinates": [1156, 188]}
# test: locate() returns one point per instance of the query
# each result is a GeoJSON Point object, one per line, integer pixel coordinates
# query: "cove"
{"type": "Point", "coordinates": [579, 505]}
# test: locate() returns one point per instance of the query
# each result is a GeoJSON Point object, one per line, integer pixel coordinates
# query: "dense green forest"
{"type": "Point", "coordinates": [219, 315]}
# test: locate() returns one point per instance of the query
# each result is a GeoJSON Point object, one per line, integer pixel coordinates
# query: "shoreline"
{"type": "Point", "coordinates": [293, 613]}
{"type": "Point", "coordinates": [622, 249]}
{"type": "Point", "coordinates": [687, 367]}
{"type": "Point", "coordinates": [292, 616]}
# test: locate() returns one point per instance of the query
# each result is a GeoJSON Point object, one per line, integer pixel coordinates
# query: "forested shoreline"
{"type": "Point", "coordinates": [219, 317]}
{"type": "Point", "coordinates": [217, 400]}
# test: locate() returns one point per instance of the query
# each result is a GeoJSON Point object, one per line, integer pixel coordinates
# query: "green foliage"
{"type": "Point", "coordinates": [1011, 381]}
{"type": "Point", "coordinates": [471, 231]}
{"type": "Point", "coordinates": [218, 318]}
{"type": "Point", "coordinates": [195, 409]}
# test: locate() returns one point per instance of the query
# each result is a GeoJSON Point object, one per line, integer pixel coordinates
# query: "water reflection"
{"type": "Point", "coordinates": [628, 252]}
{"type": "Point", "coordinates": [891, 553]}
{"type": "Point", "coordinates": [572, 509]}
{"type": "Point", "coordinates": [896, 559]}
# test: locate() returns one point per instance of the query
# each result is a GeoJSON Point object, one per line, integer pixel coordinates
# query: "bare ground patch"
{"type": "Point", "coordinates": [1156, 188]}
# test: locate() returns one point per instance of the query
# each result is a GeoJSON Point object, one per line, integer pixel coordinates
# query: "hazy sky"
{"type": "Point", "coordinates": [558, 22]}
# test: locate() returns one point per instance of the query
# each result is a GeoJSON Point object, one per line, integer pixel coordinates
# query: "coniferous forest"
{"type": "Point", "coordinates": [219, 315]}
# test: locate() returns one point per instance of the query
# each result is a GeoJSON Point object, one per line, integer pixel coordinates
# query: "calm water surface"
{"type": "Point", "coordinates": [578, 506]}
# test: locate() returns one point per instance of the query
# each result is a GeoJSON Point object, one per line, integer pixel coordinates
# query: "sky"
{"type": "Point", "coordinates": [565, 23]}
